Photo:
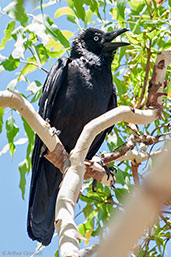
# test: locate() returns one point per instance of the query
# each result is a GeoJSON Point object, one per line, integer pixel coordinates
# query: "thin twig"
{"type": "Point", "coordinates": [32, 63]}
{"type": "Point", "coordinates": [146, 75]}
{"type": "Point", "coordinates": [168, 125]}
{"type": "Point", "coordinates": [165, 220]}
{"type": "Point", "coordinates": [166, 212]}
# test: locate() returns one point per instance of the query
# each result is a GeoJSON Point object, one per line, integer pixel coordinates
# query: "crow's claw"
{"type": "Point", "coordinates": [94, 185]}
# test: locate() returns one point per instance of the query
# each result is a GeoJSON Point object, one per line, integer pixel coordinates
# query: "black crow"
{"type": "Point", "coordinates": [77, 90]}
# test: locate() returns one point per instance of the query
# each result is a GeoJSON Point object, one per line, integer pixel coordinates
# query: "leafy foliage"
{"type": "Point", "coordinates": [37, 40]}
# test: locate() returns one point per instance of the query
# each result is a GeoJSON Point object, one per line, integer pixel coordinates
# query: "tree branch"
{"type": "Point", "coordinates": [147, 69]}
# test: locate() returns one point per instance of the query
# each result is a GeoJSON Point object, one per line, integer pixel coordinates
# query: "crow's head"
{"type": "Point", "coordinates": [98, 42]}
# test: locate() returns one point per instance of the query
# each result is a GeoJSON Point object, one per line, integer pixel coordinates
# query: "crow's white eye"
{"type": "Point", "coordinates": [96, 38]}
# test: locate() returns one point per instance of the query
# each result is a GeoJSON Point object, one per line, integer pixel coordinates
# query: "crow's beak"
{"type": "Point", "coordinates": [109, 36]}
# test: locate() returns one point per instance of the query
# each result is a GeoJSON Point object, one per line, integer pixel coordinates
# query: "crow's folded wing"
{"type": "Point", "coordinates": [101, 137]}
{"type": "Point", "coordinates": [45, 177]}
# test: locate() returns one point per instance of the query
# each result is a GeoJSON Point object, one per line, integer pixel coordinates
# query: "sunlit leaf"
{"type": "Point", "coordinates": [88, 17]}
{"type": "Point", "coordinates": [19, 50]}
{"type": "Point", "coordinates": [88, 236]}
{"type": "Point", "coordinates": [137, 4]}
{"type": "Point", "coordinates": [132, 38]}
{"type": "Point", "coordinates": [34, 87]}
{"type": "Point", "coordinates": [37, 27]}
{"type": "Point", "coordinates": [169, 93]}
{"type": "Point", "coordinates": [12, 84]}
{"type": "Point", "coordinates": [52, 44]}
{"type": "Point", "coordinates": [81, 229]}
{"type": "Point", "coordinates": [68, 34]}
{"type": "Point", "coordinates": [29, 67]}
{"type": "Point", "coordinates": [8, 31]}
{"type": "Point", "coordinates": [64, 11]}
{"type": "Point", "coordinates": [113, 11]}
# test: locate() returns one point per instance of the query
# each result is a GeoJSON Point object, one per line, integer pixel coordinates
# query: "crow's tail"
{"type": "Point", "coordinates": [43, 192]}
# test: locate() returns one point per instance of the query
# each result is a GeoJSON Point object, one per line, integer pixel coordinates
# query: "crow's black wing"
{"type": "Point", "coordinates": [101, 137]}
{"type": "Point", "coordinates": [45, 177]}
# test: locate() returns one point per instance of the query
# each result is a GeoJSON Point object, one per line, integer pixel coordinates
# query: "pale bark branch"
{"type": "Point", "coordinates": [40, 126]}
{"type": "Point", "coordinates": [89, 251]}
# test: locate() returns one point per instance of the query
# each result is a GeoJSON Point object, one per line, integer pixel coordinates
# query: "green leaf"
{"type": "Point", "coordinates": [93, 6]}
{"type": "Point", "coordinates": [167, 45]}
{"type": "Point", "coordinates": [23, 170]}
{"type": "Point", "coordinates": [80, 12]}
{"type": "Point", "coordinates": [8, 31]}
{"type": "Point", "coordinates": [41, 54]}
{"type": "Point", "coordinates": [122, 89]}
{"type": "Point", "coordinates": [12, 131]}
{"type": "Point", "coordinates": [120, 177]}
{"type": "Point", "coordinates": [16, 10]}
{"type": "Point", "coordinates": [1, 118]}
{"type": "Point", "coordinates": [120, 193]}
{"type": "Point", "coordinates": [11, 63]}
{"type": "Point", "coordinates": [87, 210]}
{"type": "Point", "coordinates": [36, 96]}
{"type": "Point", "coordinates": [30, 135]}
{"type": "Point", "coordinates": [57, 254]}
{"type": "Point", "coordinates": [102, 215]}
{"type": "Point", "coordinates": [169, 1]}
{"type": "Point", "coordinates": [121, 5]}
{"type": "Point", "coordinates": [28, 131]}
{"type": "Point", "coordinates": [53, 30]}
